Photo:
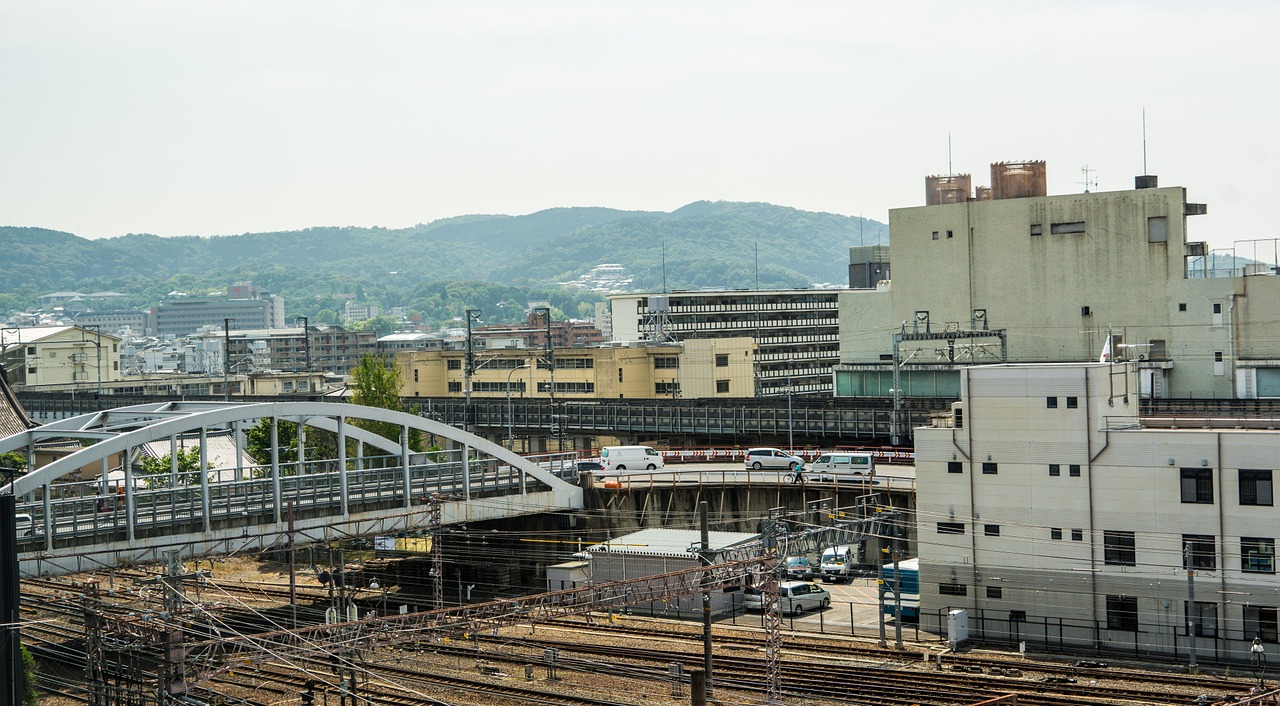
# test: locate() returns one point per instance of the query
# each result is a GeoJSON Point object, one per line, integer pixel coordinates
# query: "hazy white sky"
{"type": "Point", "coordinates": [203, 117]}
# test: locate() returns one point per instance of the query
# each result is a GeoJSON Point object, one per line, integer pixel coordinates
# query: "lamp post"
{"type": "Point", "coordinates": [510, 413]}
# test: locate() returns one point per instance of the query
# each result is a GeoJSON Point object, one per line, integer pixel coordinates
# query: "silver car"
{"type": "Point", "coordinates": [758, 459]}
{"type": "Point", "coordinates": [794, 597]}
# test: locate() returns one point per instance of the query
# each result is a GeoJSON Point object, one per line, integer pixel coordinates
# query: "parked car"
{"type": "Point", "coordinates": [838, 563]}
{"type": "Point", "coordinates": [758, 459]}
{"type": "Point", "coordinates": [793, 597]}
{"type": "Point", "coordinates": [797, 567]}
{"type": "Point", "coordinates": [589, 466]}
{"type": "Point", "coordinates": [846, 464]}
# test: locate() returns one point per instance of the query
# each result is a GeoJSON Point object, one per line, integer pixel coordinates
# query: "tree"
{"type": "Point", "coordinates": [29, 695]}
{"type": "Point", "coordinates": [156, 472]}
{"type": "Point", "coordinates": [377, 384]}
{"type": "Point", "coordinates": [257, 442]}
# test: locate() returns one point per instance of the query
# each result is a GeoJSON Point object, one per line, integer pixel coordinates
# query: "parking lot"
{"type": "Point", "coordinates": [854, 611]}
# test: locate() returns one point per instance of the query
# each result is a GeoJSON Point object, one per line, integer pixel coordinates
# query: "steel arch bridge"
{"type": "Point", "coordinates": [97, 506]}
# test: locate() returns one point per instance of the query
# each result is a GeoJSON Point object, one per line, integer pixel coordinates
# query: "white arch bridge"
{"type": "Point", "coordinates": [99, 505]}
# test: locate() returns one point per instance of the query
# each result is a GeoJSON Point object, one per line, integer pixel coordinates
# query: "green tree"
{"type": "Point", "coordinates": [377, 384]}
{"type": "Point", "coordinates": [257, 442]}
{"type": "Point", "coordinates": [156, 472]}
{"type": "Point", "coordinates": [29, 695]}
{"type": "Point", "coordinates": [12, 463]}
{"type": "Point", "coordinates": [381, 325]}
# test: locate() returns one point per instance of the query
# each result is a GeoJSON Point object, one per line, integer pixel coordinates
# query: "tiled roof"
{"type": "Point", "coordinates": [13, 418]}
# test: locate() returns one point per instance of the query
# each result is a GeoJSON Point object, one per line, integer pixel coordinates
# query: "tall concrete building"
{"type": "Point", "coordinates": [1054, 513]}
{"type": "Point", "coordinates": [796, 331]}
{"type": "Point", "coordinates": [246, 308]}
{"type": "Point", "coordinates": [59, 355]}
{"type": "Point", "coordinates": [1013, 274]}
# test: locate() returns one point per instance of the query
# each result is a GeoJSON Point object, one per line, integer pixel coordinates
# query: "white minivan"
{"type": "Point", "coordinates": [621, 458]}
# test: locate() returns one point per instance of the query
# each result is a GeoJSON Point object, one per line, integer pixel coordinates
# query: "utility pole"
{"type": "Point", "coordinates": [549, 351]}
{"type": "Point", "coordinates": [226, 359]}
{"type": "Point", "coordinates": [469, 366]}
{"type": "Point", "coordinates": [306, 342]}
{"type": "Point", "coordinates": [1191, 607]}
{"type": "Point", "coordinates": [704, 555]}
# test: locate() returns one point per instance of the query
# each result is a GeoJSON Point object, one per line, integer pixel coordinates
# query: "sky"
{"type": "Point", "coordinates": [222, 117]}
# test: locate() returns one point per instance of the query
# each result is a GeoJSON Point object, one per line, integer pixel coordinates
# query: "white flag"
{"type": "Point", "coordinates": [1106, 352]}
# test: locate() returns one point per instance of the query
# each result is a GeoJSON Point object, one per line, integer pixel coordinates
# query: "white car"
{"type": "Point", "coordinates": [758, 459]}
{"type": "Point", "coordinates": [794, 597]}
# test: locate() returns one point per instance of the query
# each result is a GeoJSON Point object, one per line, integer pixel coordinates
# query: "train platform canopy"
{"type": "Point", "coordinates": [661, 541]}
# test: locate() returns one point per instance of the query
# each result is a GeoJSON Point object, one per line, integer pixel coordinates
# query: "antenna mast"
{"type": "Point", "coordinates": [1144, 140]}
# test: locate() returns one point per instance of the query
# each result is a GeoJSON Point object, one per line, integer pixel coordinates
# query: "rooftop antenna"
{"type": "Point", "coordinates": [757, 266]}
{"type": "Point", "coordinates": [1144, 140]}
{"type": "Point", "coordinates": [949, 172]}
{"type": "Point", "coordinates": [1087, 182]}
{"type": "Point", "coordinates": [664, 267]}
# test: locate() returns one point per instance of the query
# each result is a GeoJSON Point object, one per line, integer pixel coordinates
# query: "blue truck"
{"type": "Point", "coordinates": [909, 590]}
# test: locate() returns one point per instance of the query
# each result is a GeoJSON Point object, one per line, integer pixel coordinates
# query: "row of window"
{"type": "Point", "coordinates": [1254, 486]}
{"type": "Point", "coordinates": [1257, 621]}
{"type": "Point", "coordinates": [1052, 402]}
{"type": "Point", "coordinates": [1059, 228]}
{"type": "Point", "coordinates": [1200, 552]}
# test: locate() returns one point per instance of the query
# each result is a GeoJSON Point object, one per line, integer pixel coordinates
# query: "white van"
{"type": "Point", "coordinates": [620, 458]}
{"type": "Point", "coordinates": [26, 527]}
{"type": "Point", "coordinates": [837, 563]}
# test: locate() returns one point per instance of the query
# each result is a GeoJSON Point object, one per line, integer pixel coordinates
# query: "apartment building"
{"type": "Point", "coordinates": [795, 331]}
{"type": "Point", "coordinates": [331, 349]}
{"type": "Point", "coordinates": [1053, 512]}
{"type": "Point", "coordinates": [1012, 274]}
{"type": "Point", "coordinates": [244, 308]}
{"type": "Point", "coordinates": [59, 355]}
{"type": "Point", "coordinates": [699, 368]}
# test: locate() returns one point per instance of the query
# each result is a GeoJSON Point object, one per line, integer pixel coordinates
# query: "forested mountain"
{"type": "Point", "coordinates": [440, 268]}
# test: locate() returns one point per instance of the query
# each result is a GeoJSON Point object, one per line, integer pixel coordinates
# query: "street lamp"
{"type": "Point", "coordinates": [510, 414]}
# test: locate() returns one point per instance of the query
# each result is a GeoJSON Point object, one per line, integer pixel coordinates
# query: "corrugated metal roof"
{"type": "Point", "coordinates": [661, 541]}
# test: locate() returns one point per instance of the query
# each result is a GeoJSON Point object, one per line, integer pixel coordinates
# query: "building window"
{"type": "Point", "coordinates": [989, 468]}
{"type": "Point", "coordinates": [1199, 551]}
{"type": "Point", "coordinates": [1055, 533]}
{"type": "Point", "coordinates": [1182, 307]}
{"type": "Point", "coordinates": [1261, 622]}
{"type": "Point", "coordinates": [955, 467]}
{"type": "Point", "coordinates": [1203, 618]}
{"type": "Point", "coordinates": [1197, 485]}
{"type": "Point", "coordinates": [1258, 555]}
{"type": "Point", "coordinates": [455, 387]}
{"type": "Point", "coordinates": [950, 528]}
{"type": "Point", "coordinates": [1051, 402]}
{"type": "Point", "coordinates": [664, 388]}
{"type": "Point", "coordinates": [1255, 487]}
{"type": "Point", "coordinates": [995, 592]}
{"type": "Point", "coordinates": [1066, 228]}
{"type": "Point", "coordinates": [1073, 470]}
{"type": "Point", "coordinates": [935, 235]}
{"type": "Point", "coordinates": [1077, 535]}
{"type": "Point", "coordinates": [991, 530]}
{"type": "Point", "coordinates": [1055, 469]}
{"type": "Point", "coordinates": [953, 589]}
{"type": "Point", "coordinates": [1073, 402]}
{"type": "Point", "coordinates": [722, 360]}
{"type": "Point", "coordinates": [1037, 229]}
{"type": "Point", "coordinates": [454, 364]}
{"type": "Point", "coordinates": [31, 370]}
{"type": "Point", "coordinates": [415, 374]}
{"type": "Point", "coordinates": [722, 387]}
{"type": "Point", "coordinates": [31, 350]}
{"type": "Point", "coordinates": [1157, 229]}
{"type": "Point", "coordinates": [949, 234]}
{"type": "Point", "coordinates": [1118, 548]}
{"type": "Point", "coordinates": [1122, 613]}
{"type": "Point", "coordinates": [666, 362]}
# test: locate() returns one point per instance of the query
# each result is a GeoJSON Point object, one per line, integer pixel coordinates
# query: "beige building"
{"type": "Point", "coordinates": [1053, 513]}
{"type": "Point", "coordinates": [698, 368]}
{"type": "Point", "coordinates": [59, 355]}
{"type": "Point", "coordinates": [1057, 275]}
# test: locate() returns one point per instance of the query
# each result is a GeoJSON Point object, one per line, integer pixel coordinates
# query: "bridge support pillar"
{"type": "Point", "coordinates": [342, 462]}
{"type": "Point", "coordinates": [275, 467]}
{"type": "Point", "coordinates": [127, 467]}
{"type": "Point", "coordinates": [204, 477]}
{"type": "Point", "coordinates": [466, 471]}
{"type": "Point", "coordinates": [404, 466]}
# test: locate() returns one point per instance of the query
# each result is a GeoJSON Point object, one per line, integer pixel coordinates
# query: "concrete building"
{"type": "Point", "coordinates": [185, 316]}
{"type": "Point", "coordinates": [796, 331]}
{"type": "Point", "coordinates": [332, 348]}
{"type": "Point", "coordinates": [1057, 275]}
{"type": "Point", "coordinates": [695, 369]}
{"type": "Point", "coordinates": [59, 355]}
{"type": "Point", "coordinates": [117, 322]}
{"type": "Point", "coordinates": [1054, 513]}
